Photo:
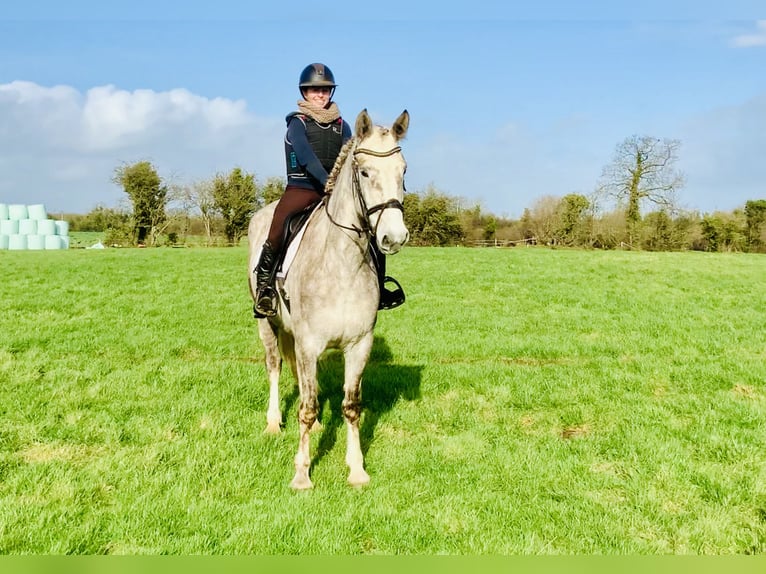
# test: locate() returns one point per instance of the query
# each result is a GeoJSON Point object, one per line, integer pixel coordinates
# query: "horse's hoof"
{"type": "Point", "coordinates": [301, 482]}
{"type": "Point", "coordinates": [272, 428]}
{"type": "Point", "coordinates": [358, 478]}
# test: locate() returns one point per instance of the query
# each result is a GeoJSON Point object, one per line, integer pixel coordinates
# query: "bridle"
{"type": "Point", "coordinates": [366, 212]}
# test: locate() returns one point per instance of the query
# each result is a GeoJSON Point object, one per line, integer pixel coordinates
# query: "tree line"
{"type": "Point", "coordinates": [634, 205]}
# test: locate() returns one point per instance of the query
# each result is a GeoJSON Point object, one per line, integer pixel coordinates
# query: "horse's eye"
{"type": "Point", "coordinates": [364, 173]}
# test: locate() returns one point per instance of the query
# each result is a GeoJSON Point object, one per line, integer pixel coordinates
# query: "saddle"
{"type": "Point", "coordinates": [295, 222]}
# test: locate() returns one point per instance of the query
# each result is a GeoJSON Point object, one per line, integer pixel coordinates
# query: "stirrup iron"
{"type": "Point", "coordinates": [390, 298]}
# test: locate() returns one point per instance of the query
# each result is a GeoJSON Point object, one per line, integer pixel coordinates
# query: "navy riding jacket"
{"type": "Point", "coordinates": [311, 149]}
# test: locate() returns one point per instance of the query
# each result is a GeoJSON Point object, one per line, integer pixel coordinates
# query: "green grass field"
{"type": "Point", "coordinates": [523, 401]}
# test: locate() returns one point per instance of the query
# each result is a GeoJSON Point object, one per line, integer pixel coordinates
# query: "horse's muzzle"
{"type": "Point", "coordinates": [390, 243]}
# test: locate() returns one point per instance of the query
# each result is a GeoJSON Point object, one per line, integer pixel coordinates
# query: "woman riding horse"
{"type": "Point", "coordinates": [315, 135]}
{"type": "Point", "coordinates": [330, 295]}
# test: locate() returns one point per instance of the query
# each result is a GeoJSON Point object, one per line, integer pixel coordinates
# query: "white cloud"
{"type": "Point", "coordinates": [750, 40]}
{"type": "Point", "coordinates": [60, 146]}
{"type": "Point", "coordinates": [111, 116]}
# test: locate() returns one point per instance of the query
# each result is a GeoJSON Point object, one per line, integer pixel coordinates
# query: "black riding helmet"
{"type": "Point", "coordinates": [317, 76]}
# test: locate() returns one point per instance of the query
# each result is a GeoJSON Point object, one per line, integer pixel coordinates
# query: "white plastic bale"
{"type": "Point", "coordinates": [9, 227]}
{"type": "Point", "coordinates": [27, 227]}
{"type": "Point", "coordinates": [62, 227]}
{"type": "Point", "coordinates": [3, 242]}
{"type": "Point", "coordinates": [54, 242]}
{"type": "Point", "coordinates": [17, 242]}
{"type": "Point", "coordinates": [3, 211]}
{"type": "Point", "coordinates": [46, 227]}
{"type": "Point", "coordinates": [35, 241]}
{"type": "Point", "coordinates": [17, 211]}
{"type": "Point", "coordinates": [36, 212]}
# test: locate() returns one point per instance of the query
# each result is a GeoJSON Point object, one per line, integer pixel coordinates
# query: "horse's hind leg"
{"type": "Point", "coordinates": [273, 369]}
{"type": "Point", "coordinates": [355, 360]}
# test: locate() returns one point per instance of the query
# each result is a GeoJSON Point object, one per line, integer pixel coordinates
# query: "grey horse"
{"type": "Point", "coordinates": [329, 296]}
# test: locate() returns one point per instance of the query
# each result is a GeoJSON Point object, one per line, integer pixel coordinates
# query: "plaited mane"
{"type": "Point", "coordinates": [330, 185]}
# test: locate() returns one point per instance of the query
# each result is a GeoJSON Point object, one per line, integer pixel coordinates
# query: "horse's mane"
{"type": "Point", "coordinates": [338, 164]}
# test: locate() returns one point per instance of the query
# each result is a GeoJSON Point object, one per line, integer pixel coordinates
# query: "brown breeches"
{"type": "Point", "coordinates": [294, 199]}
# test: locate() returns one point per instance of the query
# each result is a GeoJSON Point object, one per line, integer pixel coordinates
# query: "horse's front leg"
{"type": "Point", "coordinates": [307, 415]}
{"type": "Point", "coordinates": [273, 370]}
{"type": "Point", "coordinates": [355, 360]}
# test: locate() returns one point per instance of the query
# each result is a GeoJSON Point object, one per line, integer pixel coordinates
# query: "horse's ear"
{"type": "Point", "coordinates": [401, 124]}
{"type": "Point", "coordinates": [363, 126]}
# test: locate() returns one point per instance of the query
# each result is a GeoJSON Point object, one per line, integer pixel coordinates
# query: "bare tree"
{"type": "Point", "coordinates": [643, 170]}
{"type": "Point", "coordinates": [543, 218]}
{"type": "Point", "coordinates": [175, 212]}
{"type": "Point", "coordinates": [199, 196]}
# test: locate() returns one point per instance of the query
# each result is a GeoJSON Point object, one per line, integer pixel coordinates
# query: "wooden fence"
{"type": "Point", "coordinates": [504, 242]}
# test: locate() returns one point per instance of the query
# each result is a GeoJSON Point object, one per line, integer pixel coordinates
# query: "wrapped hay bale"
{"type": "Point", "coordinates": [3, 242]}
{"type": "Point", "coordinates": [35, 241]}
{"type": "Point", "coordinates": [46, 227]}
{"type": "Point", "coordinates": [36, 212]}
{"type": "Point", "coordinates": [17, 242]}
{"type": "Point", "coordinates": [3, 211]}
{"type": "Point", "coordinates": [27, 227]}
{"type": "Point", "coordinates": [62, 227]}
{"type": "Point", "coordinates": [9, 227]}
{"type": "Point", "coordinates": [54, 242]}
{"type": "Point", "coordinates": [17, 211]}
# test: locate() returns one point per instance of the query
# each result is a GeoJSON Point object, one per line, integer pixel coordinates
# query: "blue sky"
{"type": "Point", "coordinates": [508, 104]}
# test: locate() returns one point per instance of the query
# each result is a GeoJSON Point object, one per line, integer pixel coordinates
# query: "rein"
{"type": "Point", "coordinates": [357, 190]}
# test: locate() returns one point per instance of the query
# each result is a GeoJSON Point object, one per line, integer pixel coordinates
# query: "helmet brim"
{"type": "Point", "coordinates": [317, 85]}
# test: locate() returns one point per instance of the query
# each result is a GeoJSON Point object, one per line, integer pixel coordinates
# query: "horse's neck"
{"type": "Point", "coordinates": [335, 230]}
{"type": "Point", "coordinates": [342, 204]}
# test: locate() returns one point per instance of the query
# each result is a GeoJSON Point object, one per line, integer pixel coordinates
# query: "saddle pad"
{"type": "Point", "coordinates": [292, 248]}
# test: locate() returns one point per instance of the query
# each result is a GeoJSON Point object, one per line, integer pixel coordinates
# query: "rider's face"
{"type": "Point", "coordinates": [317, 97]}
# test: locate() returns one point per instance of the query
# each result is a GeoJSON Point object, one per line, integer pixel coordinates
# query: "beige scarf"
{"type": "Point", "coordinates": [323, 116]}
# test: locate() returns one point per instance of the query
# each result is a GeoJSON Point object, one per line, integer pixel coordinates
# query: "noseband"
{"type": "Point", "coordinates": [357, 189]}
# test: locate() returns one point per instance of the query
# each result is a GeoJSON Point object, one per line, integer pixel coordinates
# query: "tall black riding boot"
{"type": "Point", "coordinates": [389, 298]}
{"type": "Point", "coordinates": [265, 293]}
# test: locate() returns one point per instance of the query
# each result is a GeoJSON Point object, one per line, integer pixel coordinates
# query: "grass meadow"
{"type": "Point", "coordinates": [523, 401]}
